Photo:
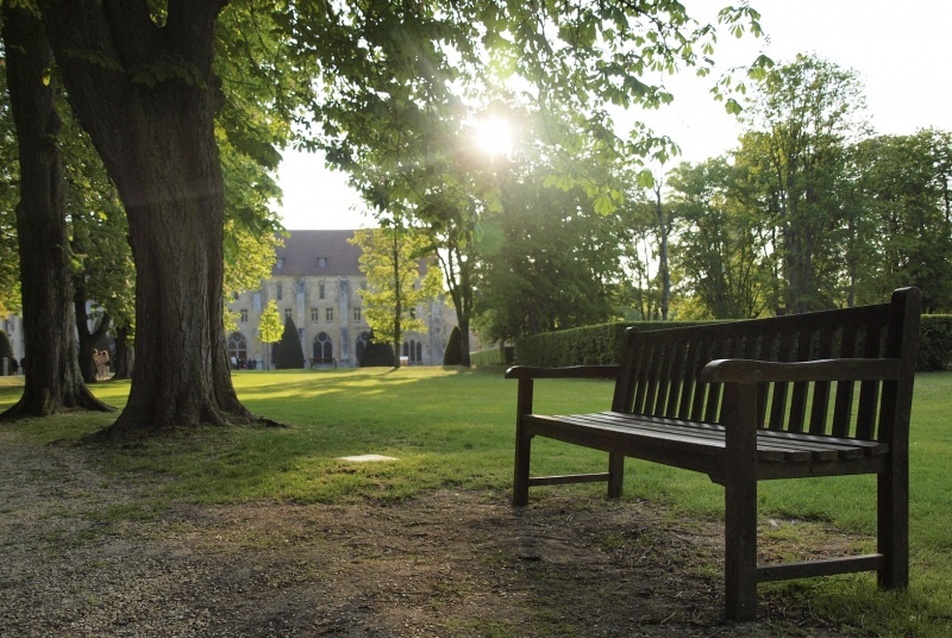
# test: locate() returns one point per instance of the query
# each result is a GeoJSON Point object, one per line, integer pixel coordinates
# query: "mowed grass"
{"type": "Point", "coordinates": [454, 429]}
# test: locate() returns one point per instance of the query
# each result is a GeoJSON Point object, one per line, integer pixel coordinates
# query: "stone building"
{"type": "Point", "coordinates": [317, 282]}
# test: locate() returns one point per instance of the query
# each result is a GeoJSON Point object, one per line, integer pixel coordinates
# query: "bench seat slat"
{"type": "Point", "coordinates": [700, 437]}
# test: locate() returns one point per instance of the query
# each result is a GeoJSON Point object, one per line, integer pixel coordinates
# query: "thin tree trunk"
{"type": "Point", "coordinates": [54, 382]}
{"type": "Point", "coordinates": [125, 354]}
{"type": "Point", "coordinates": [663, 267]}
{"type": "Point", "coordinates": [87, 340]}
{"type": "Point", "coordinates": [398, 298]}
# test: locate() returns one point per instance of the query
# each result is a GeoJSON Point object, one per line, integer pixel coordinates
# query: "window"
{"type": "Point", "coordinates": [279, 293]}
{"type": "Point", "coordinates": [329, 312]}
{"type": "Point", "coordinates": [315, 315]}
{"type": "Point", "coordinates": [322, 262]}
{"type": "Point", "coordinates": [234, 296]}
{"type": "Point", "coordinates": [244, 315]}
{"type": "Point", "coordinates": [362, 341]}
{"type": "Point", "coordinates": [356, 315]}
{"type": "Point", "coordinates": [287, 313]}
{"type": "Point", "coordinates": [413, 350]}
{"type": "Point", "coordinates": [280, 263]}
{"type": "Point", "coordinates": [237, 347]}
{"type": "Point", "coordinates": [320, 291]}
{"type": "Point", "coordinates": [323, 349]}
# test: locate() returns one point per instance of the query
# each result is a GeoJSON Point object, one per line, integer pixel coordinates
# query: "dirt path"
{"type": "Point", "coordinates": [79, 558]}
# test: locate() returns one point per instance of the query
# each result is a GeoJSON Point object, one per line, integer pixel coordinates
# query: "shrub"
{"type": "Point", "coordinates": [453, 354]}
{"type": "Point", "coordinates": [290, 355]}
{"type": "Point", "coordinates": [601, 344]}
{"type": "Point", "coordinates": [935, 343]}
{"type": "Point", "coordinates": [492, 358]}
{"type": "Point", "coordinates": [6, 349]}
{"type": "Point", "coordinates": [590, 345]}
{"type": "Point", "coordinates": [377, 355]}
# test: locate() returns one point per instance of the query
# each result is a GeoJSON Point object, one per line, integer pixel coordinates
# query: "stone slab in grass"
{"type": "Point", "coordinates": [366, 458]}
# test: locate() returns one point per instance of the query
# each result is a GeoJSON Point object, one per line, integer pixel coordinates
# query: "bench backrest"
{"type": "Point", "coordinates": [660, 369]}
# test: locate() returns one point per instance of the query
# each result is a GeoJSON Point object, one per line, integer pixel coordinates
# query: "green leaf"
{"type": "Point", "coordinates": [645, 179]}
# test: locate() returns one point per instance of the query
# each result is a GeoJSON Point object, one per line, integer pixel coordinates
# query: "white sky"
{"type": "Point", "coordinates": [901, 51]}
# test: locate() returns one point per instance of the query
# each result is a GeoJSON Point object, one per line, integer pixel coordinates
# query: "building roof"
{"type": "Point", "coordinates": [317, 252]}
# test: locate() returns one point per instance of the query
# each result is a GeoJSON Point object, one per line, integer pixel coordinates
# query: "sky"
{"type": "Point", "coordinates": [900, 51]}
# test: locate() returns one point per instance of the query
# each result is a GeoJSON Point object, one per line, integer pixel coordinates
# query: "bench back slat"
{"type": "Point", "coordinates": [869, 390]}
{"type": "Point", "coordinates": [660, 371]}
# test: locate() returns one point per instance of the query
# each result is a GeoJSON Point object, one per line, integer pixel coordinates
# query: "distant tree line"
{"type": "Point", "coordinates": [810, 211]}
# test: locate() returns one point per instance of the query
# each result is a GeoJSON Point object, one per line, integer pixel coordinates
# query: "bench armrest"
{"type": "Point", "coordinates": [528, 374]}
{"type": "Point", "coordinates": [756, 371]}
{"type": "Point", "coordinates": [568, 372]}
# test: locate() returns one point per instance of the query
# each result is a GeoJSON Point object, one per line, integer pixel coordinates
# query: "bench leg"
{"type": "Point", "coordinates": [893, 528]}
{"type": "Point", "coordinates": [740, 550]}
{"type": "Point", "coordinates": [740, 501]}
{"type": "Point", "coordinates": [520, 484]}
{"type": "Point", "coordinates": [616, 474]}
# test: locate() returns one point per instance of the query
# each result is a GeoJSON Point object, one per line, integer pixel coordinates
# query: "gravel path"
{"type": "Point", "coordinates": [80, 557]}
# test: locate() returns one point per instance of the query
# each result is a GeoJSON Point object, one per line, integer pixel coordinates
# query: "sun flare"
{"type": "Point", "coordinates": [494, 136]}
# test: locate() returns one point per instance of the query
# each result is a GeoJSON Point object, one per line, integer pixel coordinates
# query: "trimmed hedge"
{"type": "Point", "coordinates": [601, 344]}
{"type": "Point", "coordinates": [6, 349]}
{"type": "Point", "coordinates": [378, 355]}
{"type": "Point", "coordinates": [290, 354]}
{"type": "Point", "coordinates": [935, 343]}
{"type": "Point", "coordinates": [491, 358]}
{"type": "Point", "coordinates": [590, 345]}
{"type": "Point", "coordinates": [453, 353]}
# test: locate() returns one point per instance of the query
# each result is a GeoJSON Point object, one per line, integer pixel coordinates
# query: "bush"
{"type": "Point", "coordinates": [935, 343]}
{"type": "Point", "coordinates": [492, 358]}
{"type": "Point", "coordinates": [591, 345]}
{"type": "Point", "coordinates": [601, 344]}
{"type": "Point", "coordinates": [290, 355]}
{"type": "Point", "coordinates": [377, 355]}
{"type": "Point", "coordinates": [453, 354]}
{"type": "Point", "coordinates": [6, 350]}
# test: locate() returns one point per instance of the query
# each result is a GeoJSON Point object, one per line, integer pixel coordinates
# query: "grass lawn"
{"type": "Point", "coordinates": [452, 428]}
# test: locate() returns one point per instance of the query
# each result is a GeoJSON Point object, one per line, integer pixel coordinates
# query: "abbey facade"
{"type": "Point", "coordinates": [317, 282]}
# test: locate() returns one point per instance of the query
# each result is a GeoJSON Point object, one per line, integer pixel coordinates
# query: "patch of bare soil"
{"type": "Point", "coordinates": [444, 564]}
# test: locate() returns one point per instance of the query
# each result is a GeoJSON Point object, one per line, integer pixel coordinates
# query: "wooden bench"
{"type": "Point", "coordinates": [818, 394]}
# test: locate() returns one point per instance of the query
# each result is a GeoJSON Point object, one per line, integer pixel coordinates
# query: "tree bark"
{"type": "Point", "coordinates": [125, 354]}
{"type": "Point", "coordinates": [664, 269]}
{"type": "Point", "coordinates": [54, 382]}
{"type": "Point", "coordinates": [146, 94]}
{"type": "Point", "coordinates": [87, 340]}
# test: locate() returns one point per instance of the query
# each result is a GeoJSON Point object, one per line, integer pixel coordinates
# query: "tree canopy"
{"type": "Point", "coordinates": [400, 278]}
{"type": "Point", "coordinates": [165, 89]}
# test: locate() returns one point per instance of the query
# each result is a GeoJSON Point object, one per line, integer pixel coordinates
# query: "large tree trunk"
{"type": "Point", "coordinates": [54, 382]}
{"type": "Point", "coordinates": [147, 95]}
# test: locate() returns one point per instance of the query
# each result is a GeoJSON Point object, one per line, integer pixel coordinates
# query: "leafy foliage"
{"type": "Point", "coordinates": [270, 327]}
{"type": "Point", "coordinates": [400, 277]}
{"type": "Point", "coordinates": [549, 263]}
{"type": "Point", "coordinates": [902, 225]}
{"type": "Point", "coordinates": [719, 243]}
{"type": "Point", "coordinates": [9, 196]}
{"type": "Point", "coordinates": [803, 116]}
